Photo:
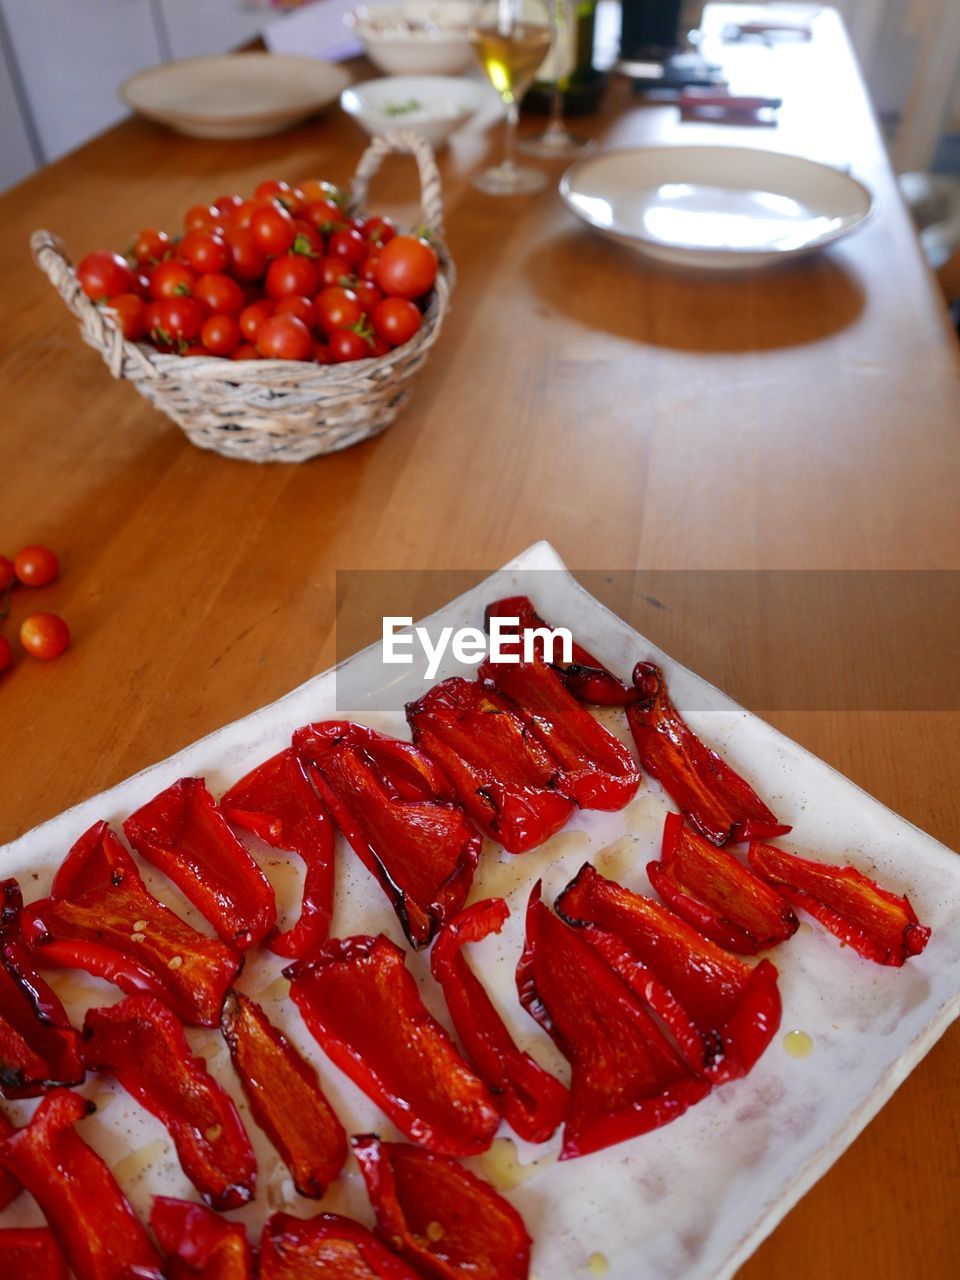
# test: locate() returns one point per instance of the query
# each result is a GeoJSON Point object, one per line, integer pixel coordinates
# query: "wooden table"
{"type": "Point", "coordinates": [805, 418]}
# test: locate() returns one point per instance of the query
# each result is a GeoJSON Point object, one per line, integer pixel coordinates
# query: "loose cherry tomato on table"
{"type": "Point", "coordinates": [252, 317]}
{"type": "Point", "coordinates": [221, 294]}
{"type": "Point", "coordinates": [300, 307]}
{"type": "Point", "coordinates": [151, 246]}
{"type": "Point", "coordinates": [396, 320]}
{"type": "Point", "coordinates": [336, 308]}
{"type": "Point", "coordinates": [349, 245]}
{"type": "Point", "coordinates": [272, 228]}
{"type": "Point", "coordinates": [181, 319]}
{"type": "Point", "coordinates": [6, 654]}
{"type": "Point", "coordinates": [347, 344]}
{"type": "Point", "coordinates": [221, 335]}
{"type": "Point", "coordinates": [407, 267]}
{"type": "Point", "coordinates": [36, 566]}
{"type": "Point", "coordinates": [44, 635]}
{"type": "Point", "coordinates": [248, 260]}
{"type": "Point", "coordinates": [130, 308]}
{"type": "Point", "coordinates": [172, 280]}
{"type": "Point", "coordinates": [284, 337]}
{"type": "Point", "coordinates": [204, 252]}
{"type": "Point", "coordinates": [104, 275]}
{"type": "Point", "coordinates": [291, 273]}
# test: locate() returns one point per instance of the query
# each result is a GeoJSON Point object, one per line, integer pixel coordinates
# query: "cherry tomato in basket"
{"type": "Point", "coordinates": [201, 217]}
{"type": "Point", "coordinates": [407, 267]}
{"type": "Point", "coordinates": [151, 318]}
{"type": "Point", "coordinates": [171, 279]}
{"type": "Point", "coordinates": [292, 198]}
{"type": "Point", "coordinates": [396, 320]}
{"type": "Point", "coordinates": [368, 294]}
{"type": "Point", "coordinates": [336, 308]}
{"type": "Point", "coordinates": [221, 294]}
{"type": "Point", "coordinates": [249, 261]}
{"type": "Point", "coordinates": [302, 308]}
{"type": "Point", "coordinates": [181, 319]}
{"type": "Point", "coordinates": [221, 335]}
{"type": "Point", "coordinates": [196, 349]}
{"type": "Point", "coordinates": [316, 189]}
{"type": "Point", "coordinates": [44, 635]}
{"type": "Point", "coordinates": [6, 654]}
{"type": "Point", "coordinates": [291, 273]}
{"type": "Point", "coordinates": [332, 272]}
{"type": "Point", "coordinates": [347, 344]}
{"type": "Point", "coordinates": [104, 275]}
{"type": "Point", "coordinates": [151, 246]}
{"type": "Point", "coordinates": [272, 228]}
{"type": "Point", "coordinates": [307, 240]}
{"type": "Point", "coordinates": [322, 214]}
{"type": "Point", "coordinates": [130, 308]}
{"type": "Point", "coordinates": [252, 317]}
{"type": "Point", "coordinates": [225, 205]}
{"type": "Point", "coordinates": [321, 354]}
{"type": "Point", "coordinates": [348, 245]}
{"type": "Point", "coordinates": [204, 252]}
{"type": "Point", "coordinates": [246, 351]}
{"type": "Point", "coordinates": [238, 219]}
{"type": "Point", "coordinates": [285, 337]}
{"type": "Point", "coordinates": [36, 566]}
{"type": "Point", "coordinates": [379, 229]}
{"type": "Point", "coordinates": [8, 574]}
{"type": "Point", "coordinates": [368, 267]}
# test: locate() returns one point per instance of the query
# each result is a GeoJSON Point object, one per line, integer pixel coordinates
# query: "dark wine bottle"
{"type": "Point", "coordinates": [570, 62]}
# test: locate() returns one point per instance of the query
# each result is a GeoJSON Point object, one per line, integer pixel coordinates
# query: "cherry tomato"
{"type": "Point", "coordinates": [246, 351]}
{"type": "Point", "coordinates": [201, 217]}
{"type": "Point", "coordinates": [249, 261]}
{"type": "Point", "coordinates": [368, 267]}
{"type": "Point", "coordinates": [221, 294]}
{"type": "Point", "coordinates": [407, 267]}
{"type": "Point", "coordinates": [380, 347]}
{"type": "Point", "coordinates": [291, 273]}
{"type": "Point", "coordinates": [349, 245]}
{"type": "Point", "coordinates": [204, 252]}
{"type": "Point", "coordinates": [336, 308]}
{"type": "Point", "coordinates": [104, 275]}
{"type": "Point", "coordinates": [272, 228]}
{"type": "Point", "coordinates": [321, 354]}
{"type": "Point", "coordinates": [395, 320]}
{"type": "Point", "coordinates": [130, 308]}
{"type": "Point", "coordinates": [225, 205]}
{"type": "Point", "coordinates": [239, 218]}
{"type": "Point", "coordinates": [172, 280]}
{"type": "Point", "coordinates": [291, 198]}
{"type": "Point", "coordinates": [302, 308]}
{"type": "Point", "coordinates": [151, 246]}
{"type": "Point", "coordinates": [6, 654]}
{"type": "Point", "coordinates": [368, 294]}
{"type": "Point", "coordinates": [8, 574]}
{"type": "Point", "coordinates": [322, 214]}
{"type": "Point", "coordinates": [44, 635]}
{"type": "Point", "coordinates": [285, 338]}
{"type": "Point", "coordinates": [35, 566]}
{"type": "Point", "coordinates": [151, 318]}
{"type": "Point", "coordinates": [221, 335]}
{"type": "Point", "coordinates": [347, 344]}
{"type": "Point", "coordinates": [314, 189]}
{"type": "Point", "coordinates": [196, 349]}
{"type": "Point", "coordinates": [181, 319]}
{"type": "Point", "coordinates": [333, 271]}
{"type": "Point", "coordinates": [308, 239]}
{"type": "Point", "coordinates": [252, 317]}
{"type": "Point", "coordinates": [378, 229]}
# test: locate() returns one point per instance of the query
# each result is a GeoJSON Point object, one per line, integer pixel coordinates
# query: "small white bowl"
{"type": "Point", "coordinates": [416, 37]}
{"type": "Point", "coordinates": [432, 105]}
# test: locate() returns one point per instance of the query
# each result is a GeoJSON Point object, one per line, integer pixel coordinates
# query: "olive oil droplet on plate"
{"type": "Point", "coordinates": [798, 1044]}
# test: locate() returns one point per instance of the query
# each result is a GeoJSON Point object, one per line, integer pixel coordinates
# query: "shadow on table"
{"type": "Point", "coordinates": [797, 303]}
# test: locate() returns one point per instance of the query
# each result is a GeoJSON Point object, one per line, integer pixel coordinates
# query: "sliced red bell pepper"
{"type": "Point", "coordinates": [277, 803]}
{"type": "Point", "coordinates": [398, 813]}
{"type": "Point", "coordinates": [717, 894]}
{"type": "Point", "coordinates": [585, 677]}
{"type": "Point", "coordinates": [38, 1046]}
{"type": "Point", "coordinates": [101, 918]}
{"type": "Point", "coordinates": [719, 803]}
{"type": "Point", "coordinates": [878, 925]}
{"type": "Point", "coordinates": [89, 1214]}
{"type": "Point", "coordinates": [31, 1253]}
{"type": "Point", "coordinates": [182, 832]}
{"type": "Point", "coordinates": [507, 782]}
{"type": "Point", "coordinates": [531, 1101]}
{"type": "Point", "coordinates": [440, 1218]}
{"type": "Point", "coordinates": [694, 986]}
{"type": "Point", "coordinates": [142, 1043]}
{"type": "Point", "coordinates": [598, 770]}
{"type": "Point", "coordinates": [285, 1097]}
{"type": "Point", "coordinates": [626, 1076]}
{"type": "Point", "coordinates": [10, 1188]}
{"type": "Point", "coordinates": [363, 1007]}
{"type": "Point", "coordinates": [198, 1243]}
{"type": "Point", "coordinates": [327, 1247]}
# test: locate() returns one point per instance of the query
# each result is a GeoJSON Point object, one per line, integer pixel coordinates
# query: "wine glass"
{"type": "Point", "coordinates": [511, 38]}
{"type": "Point", "coordinates": [557, 141]}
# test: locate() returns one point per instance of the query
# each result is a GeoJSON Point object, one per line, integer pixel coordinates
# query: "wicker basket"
{"type": "Point", "coordinates": [273, 410]}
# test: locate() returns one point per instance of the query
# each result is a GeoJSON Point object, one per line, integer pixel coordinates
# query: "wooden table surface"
{"type": "Point", "coordinates": [805, 418]}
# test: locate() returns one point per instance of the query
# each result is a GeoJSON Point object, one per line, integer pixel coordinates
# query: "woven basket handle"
{"type": "Point", "coordinates": [404, 142]}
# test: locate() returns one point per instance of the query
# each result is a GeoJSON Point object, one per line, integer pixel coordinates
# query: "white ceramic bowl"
{"type": "Point", "coordinates": [416, 37]}
{"type": "Point", "coordinates": [432, 105]}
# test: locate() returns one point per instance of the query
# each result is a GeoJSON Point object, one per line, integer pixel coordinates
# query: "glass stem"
{"type": "Point", "coordinates": [555, 124]}
{"type": "Point", "coordinates": [510, 135]}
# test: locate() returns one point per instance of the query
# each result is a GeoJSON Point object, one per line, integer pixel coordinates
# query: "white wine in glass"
{"type": "Point", "coordinates": [511, 38]}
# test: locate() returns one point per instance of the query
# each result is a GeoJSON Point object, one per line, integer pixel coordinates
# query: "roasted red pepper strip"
{"type": "Point", "coordinates": [875, 922]}
{"type": "Point", "coordinates": [363, 1007]}
{"type": "Point", "coordinates": [38, 1046]}
{"type": "Point", "coordinates": [277, 803]}
{"type": "Point", "coordinates": [626, 1076]}
{"type": "Point", "coordinates": [182, 832]}
{"type": "Point", "coordinates": [90, 1216]}
{"type": "Point", "coordinates": [142, 1043]}
{"type": "Point", "coordinates": [398, 813]}
{"type": "Point", "coordinates": [507, 782]}
{"type": "Point", "coordinates": [598, 770]}
{"type": "Point", "coordinates": [717, 894]}
{"type": "Point", "coordinates": [327, 1247]}
{"type": "Point", "coordinates": [285, 1097]}
{"type": "Point", "coordinates": [30, 1253]}
{"type": "Point", "coordinates": [199, 1244]}
{"type": "Point", "coordinates": [10, 1188]}
{"type": "Point", "coordinates": [719, 803]}
{"type": "Point", "coordinates": [585, 677]}
{"type": "Point", "coordinates": [440, 1218]}
{"type": "Point", "coordinates": [100, 917]}
{"type": "Point", "coordinates": [531, 1101]}
{"type": "Point", "coordinates": [732, 1010]}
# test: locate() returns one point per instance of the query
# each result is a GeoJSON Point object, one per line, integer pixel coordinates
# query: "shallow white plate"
{"type": "Point", "coordinates": [690, 1201]}
{"type": "Point", "coordinates": [237, 95]}
{"type": "Point", "coordinates": [714, 208]}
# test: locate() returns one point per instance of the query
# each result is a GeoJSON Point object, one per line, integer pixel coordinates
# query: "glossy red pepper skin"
{"type": "Point", "coordinates": [441, 1219]}
{"type": "Point", "coordinates": [721, 1012]}
{"type": "Point", "coordinates": [586, 678]}
{"type": "Point", "coordinates": [718, 802]}
{"type": "Point", "coordinates": [198, 1243]}
{"type": "Point", "coordinates": [101, 918]}
{"type": "Point", "coordinates": [363, 1007]}
{"type": "Point", "coordinates": [598, 770]}
{"type": "Point", "coordinates": [399, 815]}
{"type": "Point", "coordinates": [626, 1076]}
{"type": "Point", "coordinates": [879, 925]}
{"type": "Point", "coordinates": [88, 1213]}
{"type": "Point", "coordinates": [183, 833]}
{"type": "Point", "coordinates": [30, 1253]}
{"type": "Point", "coordinates": [276, 802]}
{"type": "Point", "coordinates": [285, 1097]}
{"type": "Point", "coordinates": [38, 1047]}
{"type": "Point", "coordinates": [712, 890]}
{"type": "Point", "coordinates": [531, 1101]}
{"type": "Point", "coordinates": [327, 1247]}
{"type": "Point", "coordinates": [141, 1042]}
{"type": "Point", "coordinates": [10, 1188]}
{"type": "Point", "coordinates": [507, 782]}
